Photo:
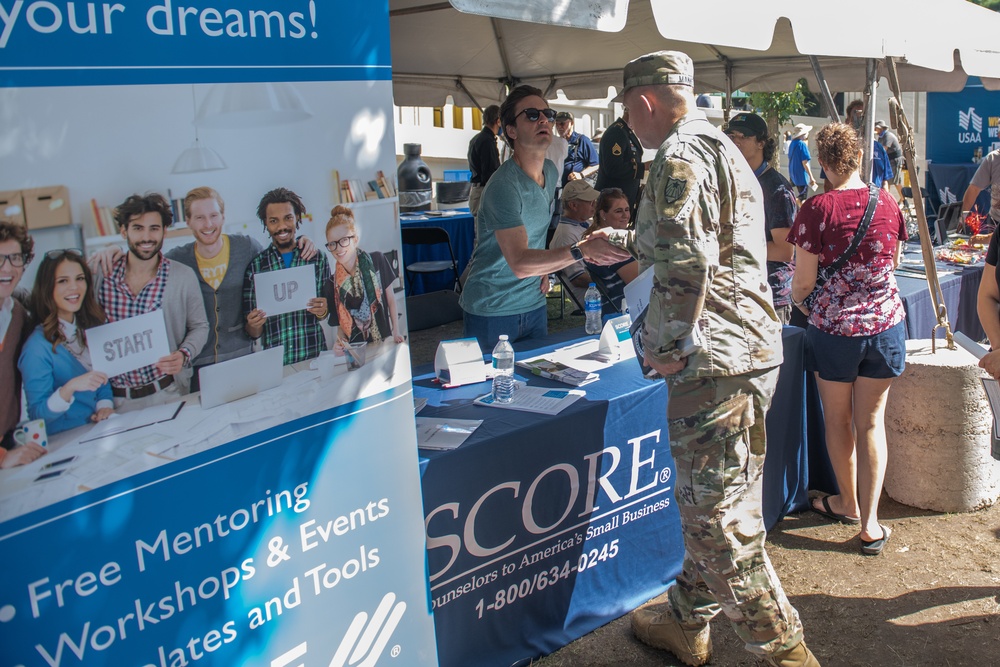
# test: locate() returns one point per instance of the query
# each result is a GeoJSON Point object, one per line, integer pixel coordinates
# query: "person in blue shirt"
{"type": "Point", "coordinates": [583, 160]}
{"type": "Point", "coordinates": [60, 383]}
{"type": "Point", "coordinates": [799, 172]}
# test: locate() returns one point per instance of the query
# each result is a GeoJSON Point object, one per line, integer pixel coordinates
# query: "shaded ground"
{"type": "Point", "coordinates": [931, 599]}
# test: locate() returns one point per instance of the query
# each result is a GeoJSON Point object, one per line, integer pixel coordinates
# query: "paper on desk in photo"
{"type": "Point", "coordinates": [126, 345]}
{"type": "Point", "coordinates": [120, 422]}
{"type": "Point", "coordinates": [285, 290]}
{"type": "Point", "coordinates": [536, 399]}
{"type": "Point", "coordinates": [444, 434]}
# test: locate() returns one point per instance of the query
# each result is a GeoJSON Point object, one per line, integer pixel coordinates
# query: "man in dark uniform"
{"type": "Point", "coordinates": [484, 158]}
{"type": "Point", "coordinates": [620, 159]}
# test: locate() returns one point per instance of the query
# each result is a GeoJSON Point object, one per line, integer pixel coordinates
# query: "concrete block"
{"type": "Point", "coordinates": [938, 428]}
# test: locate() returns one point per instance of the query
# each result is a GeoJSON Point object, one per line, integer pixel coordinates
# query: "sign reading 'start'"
{"type": "Point", "coordinates": [286, 290]}
{"type": "Point", "coordinates": [129, 344]}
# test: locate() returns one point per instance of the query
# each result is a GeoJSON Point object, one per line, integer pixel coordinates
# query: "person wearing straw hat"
{"type": "Point", "coordinates": [700, 227]}
{"type": "Point", "coordinates": [799, 172]}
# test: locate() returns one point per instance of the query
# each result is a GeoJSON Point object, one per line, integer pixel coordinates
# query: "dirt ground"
{"type": "Point", "coordinates": [931, 599]}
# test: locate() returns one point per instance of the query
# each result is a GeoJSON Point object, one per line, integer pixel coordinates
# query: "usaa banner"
{"type": "Point", "coordinates": [257, 523]}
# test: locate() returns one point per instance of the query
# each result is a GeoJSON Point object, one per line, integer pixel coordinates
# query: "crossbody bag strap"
{"type": "Point", "coordinates": [860, 234]}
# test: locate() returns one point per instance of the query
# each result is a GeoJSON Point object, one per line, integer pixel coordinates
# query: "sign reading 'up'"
{"type": "Point", "coordinates": [285, 290]}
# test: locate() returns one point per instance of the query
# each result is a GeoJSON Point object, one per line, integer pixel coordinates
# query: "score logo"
{"type": "Point", "coordinates": [364, 641]}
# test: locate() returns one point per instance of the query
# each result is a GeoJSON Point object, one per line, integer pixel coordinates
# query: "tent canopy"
{"type": "Point", "coordinates": [579, 47]}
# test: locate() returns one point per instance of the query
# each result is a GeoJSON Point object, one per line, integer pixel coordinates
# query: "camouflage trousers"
{"type": "Point", "coordinates": [717, 440]}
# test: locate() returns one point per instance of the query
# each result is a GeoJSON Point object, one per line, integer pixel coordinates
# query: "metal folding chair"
{"type": "Point", "coordinates": [430, 236]}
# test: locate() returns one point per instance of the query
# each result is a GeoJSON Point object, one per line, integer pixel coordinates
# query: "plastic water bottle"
{"type": "Point", "coordinates": [592, 306]}
{"type": "Point", "coordinates": [503, 371]}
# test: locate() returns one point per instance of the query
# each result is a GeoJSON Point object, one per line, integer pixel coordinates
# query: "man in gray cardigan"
{"type": "Point", "coordinates": [144, 281]}
{"type": "Point", "coordinates": [219, 260]}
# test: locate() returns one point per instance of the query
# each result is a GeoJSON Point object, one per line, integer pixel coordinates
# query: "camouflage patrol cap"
{"type": "Point", "coordinates": [662, 67]}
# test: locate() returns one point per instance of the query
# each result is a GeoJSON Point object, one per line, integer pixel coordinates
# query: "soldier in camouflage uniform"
{"type": "Point", "coordinates": [712, 333]}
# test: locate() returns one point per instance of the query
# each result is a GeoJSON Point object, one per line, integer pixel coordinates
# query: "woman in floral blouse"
{"type": "Point", "coordinates": [856, 339]}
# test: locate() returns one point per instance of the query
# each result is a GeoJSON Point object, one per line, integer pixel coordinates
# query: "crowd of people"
{"type": "Point", "coordinates": [206, 291]}
{"type": "Point", "coordinates": [737, 249]}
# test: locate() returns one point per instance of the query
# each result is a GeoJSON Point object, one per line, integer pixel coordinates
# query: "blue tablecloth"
{"type": "Point", "coordinates": [542, 528]}
{"type": "Point", "coordinates": [946, 183]}
{"type": "Point", "coordinates": [959, 290]}
{"type": "Point", "coordinates": [461, 227]}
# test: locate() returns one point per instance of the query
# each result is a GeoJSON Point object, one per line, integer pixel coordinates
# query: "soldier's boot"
{"type": "Point", "coordinates": [797, 656]}
{"type": "Point", "coordinates": [658, 627]}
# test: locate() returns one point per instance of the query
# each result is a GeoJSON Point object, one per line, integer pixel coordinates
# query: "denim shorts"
{"type": "Point", "coordinates": [845, 358]}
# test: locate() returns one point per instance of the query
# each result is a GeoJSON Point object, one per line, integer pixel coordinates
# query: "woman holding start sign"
{"type": "Point", "coordinates": [60, 384]}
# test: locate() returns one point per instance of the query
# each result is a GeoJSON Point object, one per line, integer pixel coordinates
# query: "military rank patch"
{"type": "Point", "coordinates": [616, 150]}
{"type": "Point", "coordinates": [674, 190]}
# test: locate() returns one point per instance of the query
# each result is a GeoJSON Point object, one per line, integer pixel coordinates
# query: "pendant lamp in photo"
{"type": "Point", "coordinates": [198, 157]}
{"type": "Point", "coordinates": [251, 105]}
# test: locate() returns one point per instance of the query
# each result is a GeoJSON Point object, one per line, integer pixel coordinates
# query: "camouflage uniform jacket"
{"type": "Point", "coordinates": [701, 225]}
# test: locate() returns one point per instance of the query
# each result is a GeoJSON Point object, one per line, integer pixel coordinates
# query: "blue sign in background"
{"type": "Point", "coordinates": [282, 546]}
{"type": "Point", "coordinates": [958, 123]}
{"type": "Point", "coordinates": [172, 41]}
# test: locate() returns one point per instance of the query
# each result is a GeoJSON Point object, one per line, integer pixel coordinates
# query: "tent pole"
{"type": "Point", "coordinates": [729, 92]}
{"type": "Point", "coordinates": [502, 48]}
{"type": "Point", "coordinates": [461, 86]}
{"type": "Point", "coordinates": [868, 123]}
{"type": "Point", "coordinates": [899, 122]}
{"type": "Point", "coordinates": [824, 89]}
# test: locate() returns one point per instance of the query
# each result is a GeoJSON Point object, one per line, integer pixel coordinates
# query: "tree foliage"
{"type": "Point", "coordinates": [989, 4]}
{"type": "Point", "coordinates": [778, 108]}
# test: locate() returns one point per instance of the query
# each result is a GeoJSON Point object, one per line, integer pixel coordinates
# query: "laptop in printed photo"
{"type": "Point", "coordinates": [238, 378]}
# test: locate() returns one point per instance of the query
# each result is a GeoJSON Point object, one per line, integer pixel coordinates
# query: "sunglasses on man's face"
{"type": "Point", "coordinates": [532, 114]}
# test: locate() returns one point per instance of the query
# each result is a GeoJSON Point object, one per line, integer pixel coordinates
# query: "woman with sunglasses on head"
{"type": "Point", "coordinates": [614, 211]}
{"type": "Point", "coordinates": [360, 288]}
{"type": "Point", "coordinates": [59, 381]}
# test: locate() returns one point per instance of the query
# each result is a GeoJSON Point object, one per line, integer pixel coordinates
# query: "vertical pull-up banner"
{"type": "Point", "coordinates": [281, 526]}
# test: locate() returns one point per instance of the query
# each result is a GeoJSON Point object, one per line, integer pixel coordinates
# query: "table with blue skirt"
{"type": "Point", "coordinates": [542, 528]}
{"type": "Point", "coordinates": [959, 287]}
{"type": "Point", "coordinates": [461, 227]}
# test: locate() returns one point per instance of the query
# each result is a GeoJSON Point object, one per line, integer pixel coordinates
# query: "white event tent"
{"type": "Point", "coordinates": [470, 49]}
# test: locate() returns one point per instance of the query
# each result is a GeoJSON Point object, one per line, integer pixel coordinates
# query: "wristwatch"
{"type": "Point", "coordinates": [575, 251]}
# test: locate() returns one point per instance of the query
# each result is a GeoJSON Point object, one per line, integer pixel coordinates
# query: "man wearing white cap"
{"type": "Point", "coordinates": [799, 172]}
{"type": "Point", "coordinates": [700, 225]}
{"type": "Point", "coordinates": [578, 203]}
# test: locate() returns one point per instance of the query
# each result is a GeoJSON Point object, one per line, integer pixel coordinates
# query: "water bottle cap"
{"type": "Point", "coordinates": [503, 336]}
{"type": "Point", "coordinates": [593, 285]}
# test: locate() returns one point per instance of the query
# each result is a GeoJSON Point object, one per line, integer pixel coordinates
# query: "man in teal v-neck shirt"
{"type": "Point", "coordinates": [508, 274]}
